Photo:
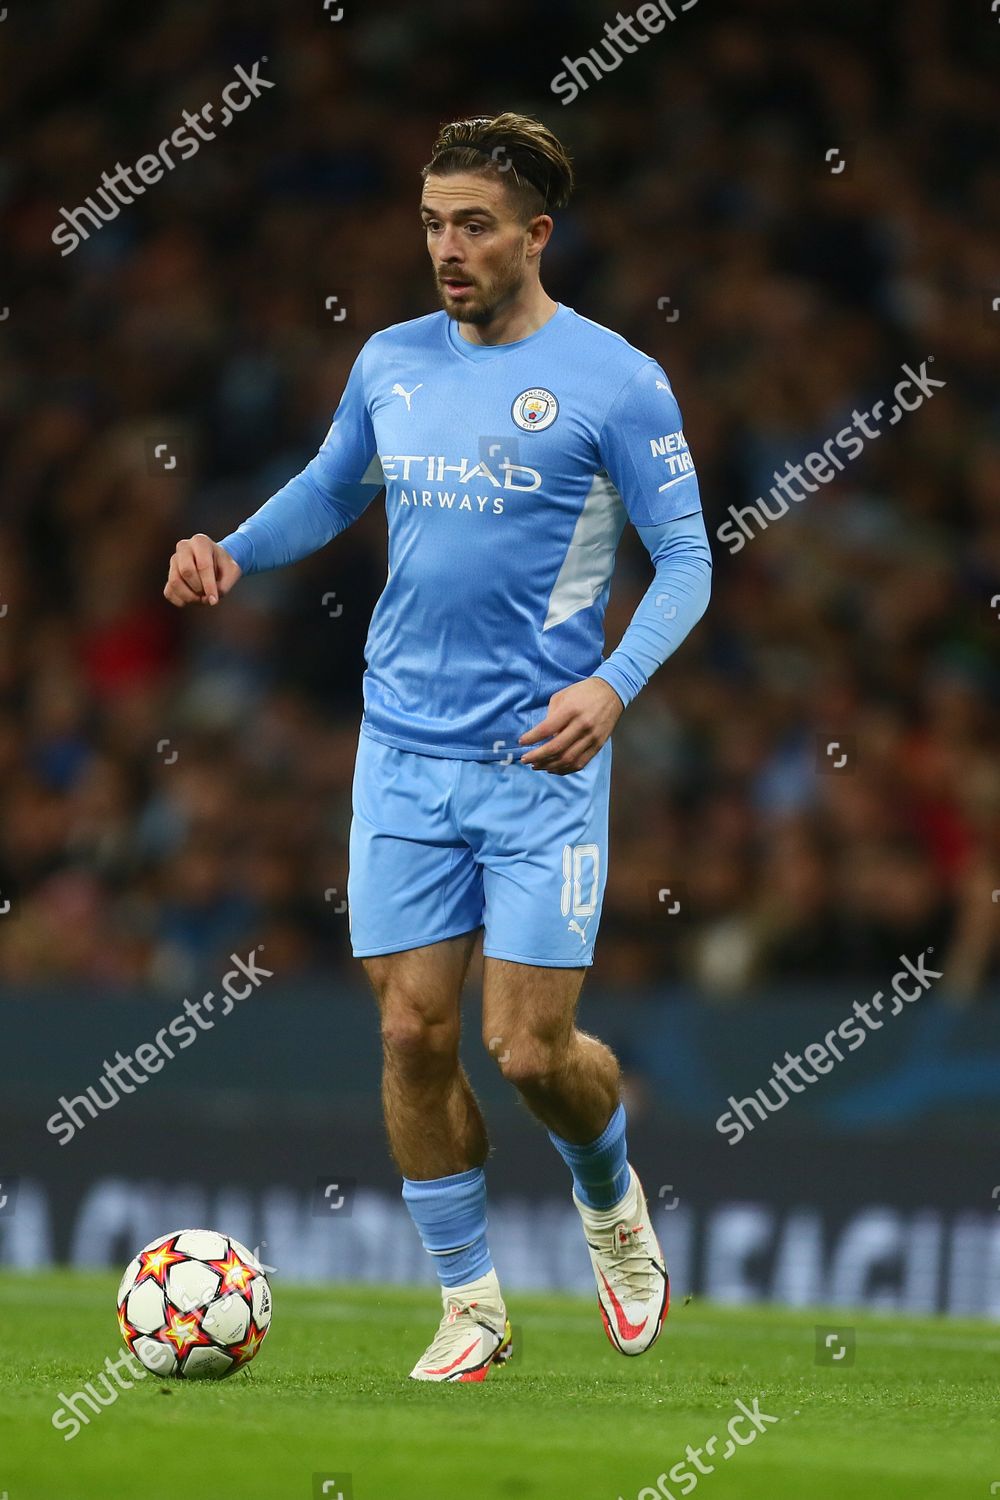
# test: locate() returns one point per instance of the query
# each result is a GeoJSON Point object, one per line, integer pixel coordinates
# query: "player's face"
{"type": "Point", "coordinates": [479, 249]}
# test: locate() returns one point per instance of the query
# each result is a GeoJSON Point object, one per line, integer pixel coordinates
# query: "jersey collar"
{"type": "Point", "coordinates": [492, 351]}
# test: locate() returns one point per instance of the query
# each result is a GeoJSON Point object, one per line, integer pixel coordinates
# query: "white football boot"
{"type": "Point", "coordinates": [633, 1288]}
{"type": "Point", "coordinates": [473, 1335]}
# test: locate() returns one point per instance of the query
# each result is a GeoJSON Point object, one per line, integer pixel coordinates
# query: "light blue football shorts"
{"type": "Point", "coordinates": [439, 847]}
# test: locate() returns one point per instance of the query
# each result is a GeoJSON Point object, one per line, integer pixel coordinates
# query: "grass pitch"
{"type": "Point", "coordinates": [915, 1413]}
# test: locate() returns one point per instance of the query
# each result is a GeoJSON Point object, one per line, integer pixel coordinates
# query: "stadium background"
{"type": "Point", "coordinates": [176, 786]}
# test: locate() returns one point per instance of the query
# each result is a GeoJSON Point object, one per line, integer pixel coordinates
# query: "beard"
{"type": "Point", "coordinates": [483, 303]}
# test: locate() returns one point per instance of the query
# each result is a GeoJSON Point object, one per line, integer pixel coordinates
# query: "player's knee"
{"type": "Point", "coordinates": [529, 1064]}
{"type": "Point", "coordinates": [415, 1040]}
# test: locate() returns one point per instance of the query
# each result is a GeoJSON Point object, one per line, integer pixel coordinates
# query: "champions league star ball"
{"type": "Point", "coordinates": [194, 1305]}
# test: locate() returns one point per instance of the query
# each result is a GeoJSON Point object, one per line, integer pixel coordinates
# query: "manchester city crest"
{"type": "Point", "coordinates": [535, 410]}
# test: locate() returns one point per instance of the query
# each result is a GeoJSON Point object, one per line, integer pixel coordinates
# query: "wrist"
{"type": "Point", "coordinates": [617, 694]}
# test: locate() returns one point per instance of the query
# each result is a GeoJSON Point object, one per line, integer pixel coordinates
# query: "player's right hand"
{"type": "Point", "coordinates": [200, 572]}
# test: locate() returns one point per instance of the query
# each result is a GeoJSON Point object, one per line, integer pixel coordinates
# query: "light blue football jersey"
{"type": "Point", "coordinates": [509, 471]}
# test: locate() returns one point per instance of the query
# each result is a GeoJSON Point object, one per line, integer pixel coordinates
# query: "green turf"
{"type": "Point", "coordinates": [915, 1414]}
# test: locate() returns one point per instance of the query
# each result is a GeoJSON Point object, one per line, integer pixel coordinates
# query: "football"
{"type": "Point", "coordinates": [194, 1305]}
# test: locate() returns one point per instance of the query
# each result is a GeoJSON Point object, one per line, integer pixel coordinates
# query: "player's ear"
{"type": "Point", "coordinates": [539, 233]}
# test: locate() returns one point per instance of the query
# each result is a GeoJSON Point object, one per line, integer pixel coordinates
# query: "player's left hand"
{"type": "Point", "coordinates": [579, 720]}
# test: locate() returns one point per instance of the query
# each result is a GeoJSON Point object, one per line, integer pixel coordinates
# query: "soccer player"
{"type": "Point", "coordinates": [513, 439]}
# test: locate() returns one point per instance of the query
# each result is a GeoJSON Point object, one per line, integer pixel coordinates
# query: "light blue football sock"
{"type": "Point", "coordinates": [600, 1170]}
{"type": "Point", "coordinates": [450, 1215]}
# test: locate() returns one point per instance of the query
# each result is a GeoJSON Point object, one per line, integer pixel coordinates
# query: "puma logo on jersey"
{"type": "Point", "coordinates": [407, 396]}
{"type": "Point", "coordinates": [574, 926]}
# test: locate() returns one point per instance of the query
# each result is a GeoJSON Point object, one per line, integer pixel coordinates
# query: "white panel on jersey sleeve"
{"type": "Point", "coordinates": [590, 556]}
{"type": "Point", "coordinates": [373, 475]}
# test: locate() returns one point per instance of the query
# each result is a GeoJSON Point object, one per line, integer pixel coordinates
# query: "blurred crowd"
{"type": "Point", "coordinates": [176, 785]}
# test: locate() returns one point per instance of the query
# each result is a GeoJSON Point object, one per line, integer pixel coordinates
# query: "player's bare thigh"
{"type": "Point", "coordinates": [421, 988]}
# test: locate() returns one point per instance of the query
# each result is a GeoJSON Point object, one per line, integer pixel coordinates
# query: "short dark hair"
{"type": "Point", "coordinates": [518, 150]}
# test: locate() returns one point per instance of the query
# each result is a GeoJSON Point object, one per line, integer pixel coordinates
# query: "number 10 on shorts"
{"type": "Point", "coordinates": [581, 863]}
